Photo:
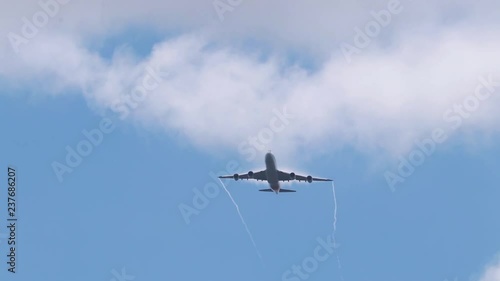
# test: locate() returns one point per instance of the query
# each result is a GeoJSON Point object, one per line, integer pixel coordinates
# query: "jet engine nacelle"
{"type": "Point", "coordinates": [250, 174]}
{"type": "Point", "coordinates": [309, 179]}
{"type": "Point", "coordinates": [236, 177]}
{"type": "Point", "coordinates": [292, 176]}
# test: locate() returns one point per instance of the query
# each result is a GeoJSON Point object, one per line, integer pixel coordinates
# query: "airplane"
{"type": "Point", "coordinates": [273, 176]}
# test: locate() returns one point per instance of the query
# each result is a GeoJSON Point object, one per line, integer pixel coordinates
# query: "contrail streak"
{"type": "Point", "coordinates": [243, 221]}
{"type": "Point", "coordinates": [335, 229]}
{"type": "Point", "coordinates": [335, 209]}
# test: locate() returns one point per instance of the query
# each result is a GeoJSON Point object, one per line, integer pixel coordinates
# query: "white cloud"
{"type": "Point", "coordinates": [217, 95]}
{"type": "Point", "coordinates": [491, 272]}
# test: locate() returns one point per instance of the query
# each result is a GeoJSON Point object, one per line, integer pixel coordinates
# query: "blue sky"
{"type": "Point", "coordinates": [210, 85]}
{"type": "Point", "coordinates": [119, 208]}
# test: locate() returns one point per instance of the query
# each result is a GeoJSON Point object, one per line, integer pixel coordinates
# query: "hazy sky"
{"type": "Point", "coordinates": [119, 115]}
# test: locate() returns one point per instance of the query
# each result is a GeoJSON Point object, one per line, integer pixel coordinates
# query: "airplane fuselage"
{"type": "Point", "coordinates": [273, 176]}
{"type": "Point", "coordinates": [272, 172]}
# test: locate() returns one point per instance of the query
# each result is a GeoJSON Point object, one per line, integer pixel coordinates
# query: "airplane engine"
{"type": "Point", "coordinates": [309, 179]}
{"type": "Point", "coordinates": [292, 176]}
{"type": "Point", "coordinates": [250, 174]}
{"type": "Point", "coordinates": [236, 177]}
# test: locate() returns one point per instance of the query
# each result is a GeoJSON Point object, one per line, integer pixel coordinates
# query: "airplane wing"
{"type": "Point", "coordinates": [260, 176]}
{"type": "Point", "coordinates": [284, 176]}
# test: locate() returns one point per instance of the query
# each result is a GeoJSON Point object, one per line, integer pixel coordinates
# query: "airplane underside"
{"type": "Point", "coordinates": [273, 176]}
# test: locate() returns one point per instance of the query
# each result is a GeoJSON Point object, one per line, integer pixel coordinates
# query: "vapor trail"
{"type": "Point", "coordinates": [335, 229]}
{"type": "Point", "coordinates": [243, 221]}
{"type": "Point", "coordinates": [335, 209]}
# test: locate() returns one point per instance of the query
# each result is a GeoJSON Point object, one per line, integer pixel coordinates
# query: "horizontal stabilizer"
{"type": "Point", "coordinates": [281, 190]}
